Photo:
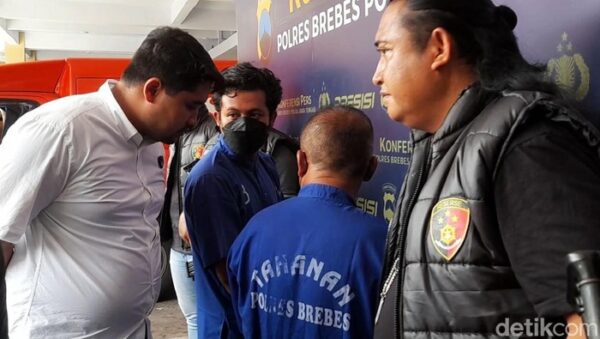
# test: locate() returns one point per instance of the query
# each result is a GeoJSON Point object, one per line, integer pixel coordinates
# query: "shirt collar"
{"type": "Point", "coordinates": [466, 107]}
{"type": "Point", "coordinates": [326, 192]}
{"type": "Point", "coordinates": [125, 126]}
{"type": "Point", "coordinates": [468, 104]}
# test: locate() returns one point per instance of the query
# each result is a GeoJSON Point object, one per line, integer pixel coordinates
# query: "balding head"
{"type": "Point", "coordinates": [339, 141]}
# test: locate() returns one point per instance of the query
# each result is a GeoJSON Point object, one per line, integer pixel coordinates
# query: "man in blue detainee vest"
{"type": "Point", "coordinates": [309, 267]}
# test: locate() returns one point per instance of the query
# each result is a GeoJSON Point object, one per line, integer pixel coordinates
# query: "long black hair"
{"type": "Point", "coordinates": [483, 33]}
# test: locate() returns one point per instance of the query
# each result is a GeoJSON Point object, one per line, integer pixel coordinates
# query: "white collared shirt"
{"type": "Point", "coordinates": [80, 193]}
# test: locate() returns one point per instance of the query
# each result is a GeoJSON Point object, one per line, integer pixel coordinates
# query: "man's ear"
{"type": "Point", "coordinates": [214, 115]}
{"type": "Point", "coordinates": [217, 117]}
{"type": "Point", "coordinates": [370, 169]}
{"type": "Point", "coordinates": [211, 100]}
{"type": "Point", "coordinates": [272, 116]}
{"type": "Point", "coordinates": [302, 163]}
{"type": "Point", "coordinates": [441, 47]}
{"type": "Point", "coordinates": [151, 89]}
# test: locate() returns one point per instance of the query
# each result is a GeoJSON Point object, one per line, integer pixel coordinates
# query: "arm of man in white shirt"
{"type": "Point", "coordinates": [35, 167]}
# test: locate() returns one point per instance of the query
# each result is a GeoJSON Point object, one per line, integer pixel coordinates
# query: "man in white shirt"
{"type": "Point", "coordinates": [81, 188]}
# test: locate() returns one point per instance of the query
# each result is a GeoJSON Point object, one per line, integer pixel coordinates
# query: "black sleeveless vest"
{"type": "Point", "coordinates": [444, 246]}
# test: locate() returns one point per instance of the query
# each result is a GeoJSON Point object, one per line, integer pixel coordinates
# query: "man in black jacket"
{"type": "Point", "coordinates": [494, 197]}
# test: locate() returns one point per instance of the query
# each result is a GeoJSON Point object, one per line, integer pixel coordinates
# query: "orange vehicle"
{"type": "Point", "coordinates": [25, 86]}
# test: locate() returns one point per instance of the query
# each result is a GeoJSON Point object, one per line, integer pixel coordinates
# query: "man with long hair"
{"type": "Point", "coordinates": [494, 197]}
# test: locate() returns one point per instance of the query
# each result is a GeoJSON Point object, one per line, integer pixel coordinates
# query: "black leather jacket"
{"type": "Point", "coordinates": [187, 150]}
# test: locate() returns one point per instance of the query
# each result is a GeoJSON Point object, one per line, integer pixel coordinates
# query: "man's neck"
{"type": "Point", "coordinates": [125, 97]}
{"type": "Point", "coordinates": [351, 187]}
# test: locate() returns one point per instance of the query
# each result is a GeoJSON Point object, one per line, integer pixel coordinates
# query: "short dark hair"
{"type": "Point", "coordinates": [176, 58]}
{"type": "Point", "coordinates": [245, 77]}
{"type": "Point", "coordinates": [484, 36]}
{"type": "Point", "coordinates": [339, 139]}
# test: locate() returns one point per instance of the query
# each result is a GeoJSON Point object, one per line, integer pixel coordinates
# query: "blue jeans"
{"type": "Point", "coordinates": [185, 290]}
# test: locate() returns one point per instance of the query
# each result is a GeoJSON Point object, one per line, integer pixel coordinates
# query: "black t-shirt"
{"type": "Point", "coordinates": [547, 193]}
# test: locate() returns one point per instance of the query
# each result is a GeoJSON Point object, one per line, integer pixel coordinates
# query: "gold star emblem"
{"type": "Point", "coordinates": [448, 234]}
{"type": "Point", "coordinates": [454, 218]}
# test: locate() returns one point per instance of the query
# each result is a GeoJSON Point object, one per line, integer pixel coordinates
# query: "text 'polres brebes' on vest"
{"type": "Point", "coordinates": [312, 269]}
{"type": "Point", "coordinates": [317, 315]}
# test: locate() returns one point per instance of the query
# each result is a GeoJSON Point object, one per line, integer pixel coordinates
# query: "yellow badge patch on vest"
{"type": "Point", "coordinates": [198, 151]}
{"type": "Point", "coordinates": [448, 226]}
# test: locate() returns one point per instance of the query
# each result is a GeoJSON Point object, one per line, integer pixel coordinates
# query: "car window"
{"type": "Point", "coordinates": [11, 110]}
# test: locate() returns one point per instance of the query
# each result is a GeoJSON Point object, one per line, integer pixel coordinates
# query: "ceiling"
{"type": "Point", "coordinates": [55, 29]}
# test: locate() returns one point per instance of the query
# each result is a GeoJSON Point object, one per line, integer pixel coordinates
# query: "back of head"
{"type": "Point", "coordinates": [483, 33]}
{"type": "Point", "coordinates": [245, 77]}
{"type": "Point", "coordinates": [339, 140]}
{"type": "Point", "coordinates": [176, 58]}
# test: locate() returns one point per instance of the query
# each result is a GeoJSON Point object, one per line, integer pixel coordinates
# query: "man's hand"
{"type": "Point", "coordinates": [183, 231]}
{"type": "Point", "coordinates": [575, 324]}
{"type": "Point", "coordinates": [7, 252]}
{"type": "Point", "coordinates": [221, 271]}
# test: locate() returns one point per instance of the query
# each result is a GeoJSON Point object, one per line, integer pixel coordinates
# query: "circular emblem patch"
{"type": "Point", "coordinates": [448, 226]}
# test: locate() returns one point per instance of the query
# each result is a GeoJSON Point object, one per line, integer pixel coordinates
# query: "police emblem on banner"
{"type": "Point", "coordinates": [569, 71]}
{"type": "Point", "coordinates": [324, 100]}
{"type": "Point", "coordinates": [264, 38]}
{"type": "Point", "coordinates": [449, 225]}
{"type": "Point", "coordinates": [389, 201]}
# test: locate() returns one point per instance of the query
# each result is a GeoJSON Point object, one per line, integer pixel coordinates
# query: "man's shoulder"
{"type": "Point", "coordinates": [282, 208]}
{"type": "Point", "coordinates": [60, 117]}
{"type": "Point", "coordinates": [212, 163]}
{"type": "Point", "coordinates": [313, 210]}
{"type": "Point", "coordinates": [266, 221]}
{"type": "Point", "coordinates": [271, 216]}
{"type": "Point", "coordinates": [202, 134]}
{"type": "Point", "coordinates": [278, 141]}
{"type": "Point", "coordinates": [65, 111]}
{"type": "Point", "coordinates": [363, 223]}
{"type": "Point", "coordinates": [266, 160]}
{"type": "Point", "coordinates": [214, 173]}
{"type": "Point", "coordinates": [547, 138]}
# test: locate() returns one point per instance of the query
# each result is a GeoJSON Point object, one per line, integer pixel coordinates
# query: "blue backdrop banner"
{"type": "Point", "coordinates": [323, 53]}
